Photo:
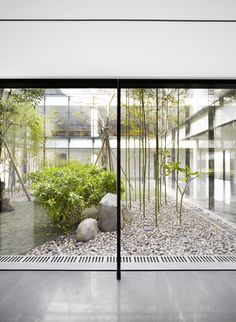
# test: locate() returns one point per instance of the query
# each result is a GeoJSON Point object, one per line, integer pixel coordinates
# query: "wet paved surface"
{"type": "Point", "coordinates": [98, 296]}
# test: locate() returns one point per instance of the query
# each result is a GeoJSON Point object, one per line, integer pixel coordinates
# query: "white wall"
{"type": "Point", "coordinates": [125, 49]}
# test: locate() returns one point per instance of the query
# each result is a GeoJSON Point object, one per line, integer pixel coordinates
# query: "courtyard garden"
{"type": "Point", "coordinates": [54, 202]}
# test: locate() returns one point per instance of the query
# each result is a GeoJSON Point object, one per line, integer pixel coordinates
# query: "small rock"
{"type": "Point", "coordinates": [127, 216]}
{"type": "Point", "coordinates": [87, 229]}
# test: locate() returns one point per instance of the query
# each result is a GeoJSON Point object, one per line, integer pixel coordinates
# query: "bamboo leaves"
{"type": "Point", "coordinates": [153, 121]}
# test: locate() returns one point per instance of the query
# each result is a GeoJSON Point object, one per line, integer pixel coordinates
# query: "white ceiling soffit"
{"type": "Point", "coordinates": [113, 9]}
{"type": "Point", "coordinates": [101, 49]}
{"type": "Point", "coordinates": [117, 49]}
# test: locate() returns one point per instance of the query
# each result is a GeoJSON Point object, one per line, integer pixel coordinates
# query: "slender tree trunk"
{"type": "Point", "coordinates": [2, 184]}
{"type": "Point", "coordinates": [126, 150]}
{"type": "Point", "coordinates": [129, 185]}
{"type": "Point", "coordinates": [44, 130]}
{"type": "Point", "coordinates": [149, 170]}
{"type": "Point", "coordinates": [166, 130]}
{"type": "Point", "coordinates": [161, 150]}
{"type": "Point", "coordinates": [181, 198]}
{"type": "Point", "coordinates": [177, 156]}
{"type": "Point", "coordinates": [144, 153]}
{"type": "Point", "coordinates": [180, 208]}
{"type": "Point", "coordinates": [13, 172]}
{"type": "Point", "coordinates": [165, 193]}
{"type": "Point", "coordinates": [149, 157]}
{"type": "Point", "coordinates": [135, 171]}
{"type": "Point", "coordinates": [110, 155]}
{"type": "Point", "coordinates": [140, 158]}
{"type": "Point", "coordinates": [157, 199]}
{"type": "Point", "coordinates": [25, 154]}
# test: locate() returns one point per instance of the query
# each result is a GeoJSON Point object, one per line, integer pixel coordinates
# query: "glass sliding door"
{"type": "Point", "coordinates": [75, 152]}
{"type": "Point", "coordinates": [177, 168]}
{"type": "Point", "coordinates": [58, 170]}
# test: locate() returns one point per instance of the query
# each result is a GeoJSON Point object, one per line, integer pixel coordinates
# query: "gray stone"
{"type": "Point", "coordinates": [127, 216]}
{"type": "Point", "coordinates": [107, 220]}
{"type": "Point", "coordinates": [91, 212]}
{"type": "Point", "coordinates": [5, 205]}
{"type": "Point", "coordinates": [87, 229]}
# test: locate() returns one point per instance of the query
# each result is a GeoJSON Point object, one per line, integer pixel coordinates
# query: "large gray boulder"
{"type": "Point", "coordinates": [91, 212]}
{"type": "Point", "coordinates": [107, 220]}
{"type": "Point", "coordinates": [87, 229]}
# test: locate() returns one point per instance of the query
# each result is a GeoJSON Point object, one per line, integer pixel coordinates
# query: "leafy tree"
{"type": "Point", "coordinates": [188, 177]}
{"type": "Point", "coordinates": [27, 132]}
{"type": "Point", "coordinates": [11, 105]}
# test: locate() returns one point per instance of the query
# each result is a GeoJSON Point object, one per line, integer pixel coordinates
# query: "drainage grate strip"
{"type": "Point", "coordinates": [20, 262]}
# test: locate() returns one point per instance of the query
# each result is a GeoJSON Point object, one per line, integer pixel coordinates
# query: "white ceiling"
{"type": "Point", "coordinates": [118, 49]}
{"type": "Point", "coordinates": [184, 9]}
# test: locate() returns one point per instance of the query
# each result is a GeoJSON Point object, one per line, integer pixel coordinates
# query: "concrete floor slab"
{"type": "Point", "coordinates": [98, 296]}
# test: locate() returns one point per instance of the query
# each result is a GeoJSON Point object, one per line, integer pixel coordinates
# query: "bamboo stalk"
{"type": "Point", "coordinates": [135, 171]}
{"type": "Point", "coordinates": [128, 111]}
{"type": "Point", "coordinates": [126, 148]}
{"type": "Point", "coordinates": [161, 151]}
{"type": "Point", "coordinates": [157, 200]}
{"type": "Point", "coordinates": [139, 157]}
{"type": "Point", "coordinates": [144, 154]}
{"type": "Point", "coordinates": [149, 157]}
{"type": "Point", "coordinates": [177, 157]}
{"type": "Point", "coordinates": [166, 130]}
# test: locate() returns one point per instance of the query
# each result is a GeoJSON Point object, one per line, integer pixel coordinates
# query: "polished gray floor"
{"type": "Point", "coordinates": [97, 296]}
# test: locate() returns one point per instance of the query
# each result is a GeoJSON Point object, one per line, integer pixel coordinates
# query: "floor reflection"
{"type": "Point", "coordinates": [26, 227]}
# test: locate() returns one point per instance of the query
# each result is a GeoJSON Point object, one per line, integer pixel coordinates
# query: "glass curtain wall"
{"type": "Point", "coordinates": [178, 169]}
{"type": "Point", "coordinates": [58, 161]}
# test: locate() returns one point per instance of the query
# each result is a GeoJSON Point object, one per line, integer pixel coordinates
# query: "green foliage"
{"type": "Point", "coordinates": [17, 109]}
{"type": "Point", "coordinates": [68, 189]}
{"type": "Point", "coordinates": [10, 104]}
{"type": "Point", "coordinates": [26, 123]}
{"type": "Point", "coordinates": [188, 174]}
{"type": "Point", "coordinates": [188, 177]}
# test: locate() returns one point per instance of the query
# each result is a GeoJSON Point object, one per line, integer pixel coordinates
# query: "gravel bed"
{"type": "Point", "coordinates": [196, 236]}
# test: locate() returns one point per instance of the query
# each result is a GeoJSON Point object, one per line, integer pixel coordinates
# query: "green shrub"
{"type": "Point", "coordinates": [68, 189]}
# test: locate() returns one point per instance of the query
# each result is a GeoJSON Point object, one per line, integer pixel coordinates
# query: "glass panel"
{"type": "Point", "coordinates": [178, 170]}
{"type": "Point", "coordinates": [58, 160]}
